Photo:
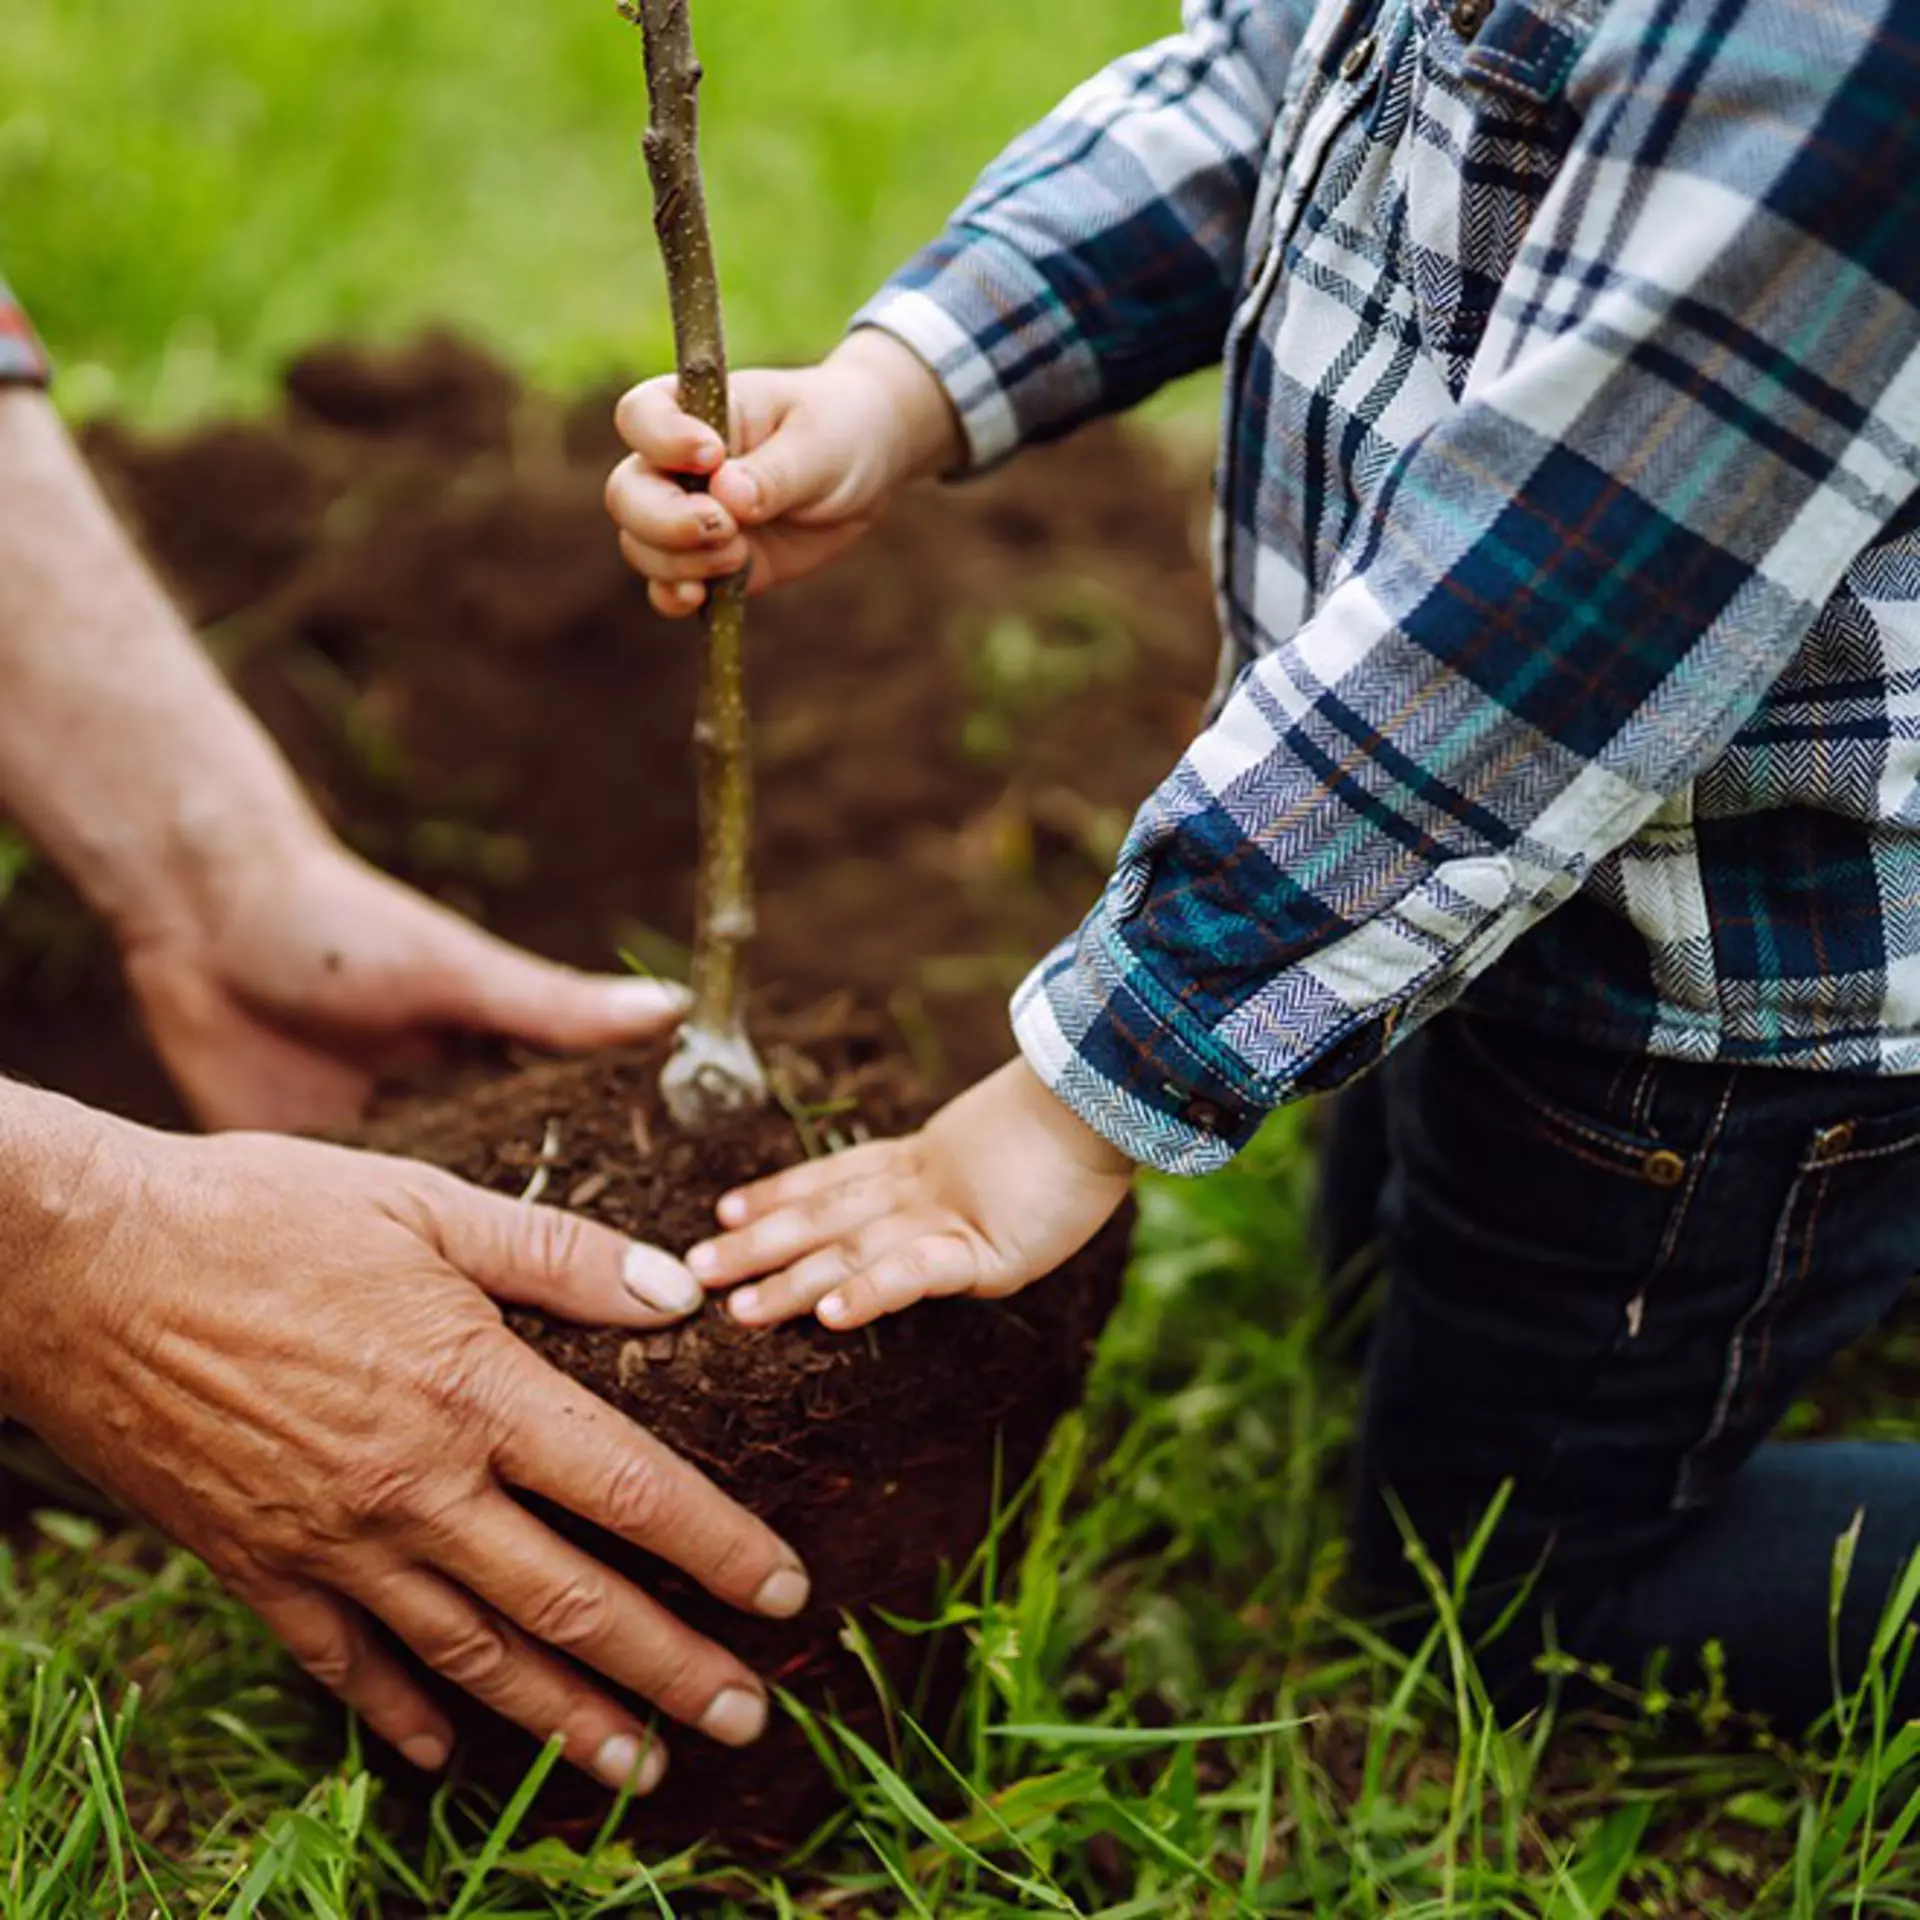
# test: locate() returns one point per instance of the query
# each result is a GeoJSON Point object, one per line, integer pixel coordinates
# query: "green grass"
{"type": "Point", "coordinates": [192, 191]}
{"type": "Point", "coordinates": [1167, 1713]}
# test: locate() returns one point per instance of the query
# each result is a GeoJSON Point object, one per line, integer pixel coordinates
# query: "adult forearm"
{"type": "Point", "coordinates": [122, 751]}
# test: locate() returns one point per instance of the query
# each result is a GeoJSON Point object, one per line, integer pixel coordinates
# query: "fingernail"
{"type": "Point", "coordinates": [705, 1258]}
{"type": "Point", "coordinates": [732, 1210]}
{"type": "Point", "coordinates": [642, 1001]}
{"type": "Point", "coordinates": [708, 455]}
{"type": "Point", "coordinates": [689, 593]}
{"type": "Point", "coordinates": [744, 1304]}
{"type": "Point", "coordinates": [748, 488]}
{"type": "Point", "coordinates": [427, 1751]}
{"type": "Point", "coordinates": [659, 1281]}
{"type": "Point", "coordinates": [737, 1718]}
{"type": "Point", "coordinates": [783, 1593]}
{"type": "Point", "coordinates": [620, 1761]}
{"type": "Point", "coordinates": [833, 1308]}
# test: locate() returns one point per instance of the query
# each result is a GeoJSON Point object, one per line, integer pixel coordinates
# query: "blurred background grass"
{"type": "Point", "coordinates": [189, 192]}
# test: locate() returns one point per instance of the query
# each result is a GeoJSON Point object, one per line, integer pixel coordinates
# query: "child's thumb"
{"type": "Point", "coordinates": [792, 469]}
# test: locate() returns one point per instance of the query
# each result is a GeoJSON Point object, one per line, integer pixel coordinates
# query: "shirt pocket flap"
{"type": "Point", "coordinates": [1528, 47]}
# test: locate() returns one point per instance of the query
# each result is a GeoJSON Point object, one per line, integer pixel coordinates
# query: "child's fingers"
{"type": "Point", "coordinates": [657, 564]}
{"type": "Point", "coordinates": [801, 1287]}
{"type": "Point", "coordinates": [651, 420]}
{"type": "Point", "coordinates": [746, 1204]}
{"type": "Point", "coordinates": [660, 513]}
{"type": "Point", "coordinates": [780, 1238]}
{"type": "Point", "coordinates": [931, 1265]}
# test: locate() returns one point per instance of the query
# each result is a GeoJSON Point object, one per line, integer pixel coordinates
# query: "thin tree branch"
{"type": "Point", "coordinates": [714, 1070]}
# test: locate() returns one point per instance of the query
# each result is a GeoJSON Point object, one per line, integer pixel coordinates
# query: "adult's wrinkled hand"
{"type": "Point", "coordinates": [290, 1357]}
{"type": "Point", "coordinates": [279, 979]}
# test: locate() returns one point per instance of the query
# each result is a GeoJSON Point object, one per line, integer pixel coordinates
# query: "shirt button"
{"type": "Point", "coordinates": [1359, 56]}
{"type": "Point", "coordinates": [1205, 1115]}
{"type": "Point", "coordinates": [1469, 16]}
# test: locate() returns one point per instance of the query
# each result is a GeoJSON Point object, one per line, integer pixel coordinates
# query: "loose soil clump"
{"type": "Point", "coordinates": [876, 1455]}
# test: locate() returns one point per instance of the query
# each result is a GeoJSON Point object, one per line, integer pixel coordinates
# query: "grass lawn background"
{"type": "Point", "coordinates": [1168, 1714]}
{"type": "Point", "coordinates": [190, 191]}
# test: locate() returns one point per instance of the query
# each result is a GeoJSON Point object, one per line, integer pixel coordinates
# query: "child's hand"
{"type": "Point", "coordinates": [819, 450]}
{"type": "Point", "coordinates": [996, 1191]}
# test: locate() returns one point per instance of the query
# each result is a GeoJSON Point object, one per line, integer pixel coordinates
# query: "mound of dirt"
{"type": "Point", "coordinates": [875, 1454]}
{"type": "Point", "coordinates": [410, 576]}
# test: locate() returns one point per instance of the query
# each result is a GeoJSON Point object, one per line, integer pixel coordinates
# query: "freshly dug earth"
{"type": "Point", "coordinates": [875, 1455]}
{"type": "Point", "coordinates": [411, 578]}
{"type": "Point", "coordinates": [413, 581]}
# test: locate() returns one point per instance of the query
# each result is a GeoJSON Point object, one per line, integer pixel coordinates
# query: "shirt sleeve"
{"type": "Point", "coordinates": [1698, 402]}
{"type": "Point", "coordinates": [22, 359]}
{"type": "Point", "coordinates": [1098, 258]}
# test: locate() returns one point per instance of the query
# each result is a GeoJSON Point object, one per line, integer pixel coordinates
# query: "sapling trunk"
{"type": "Point", "coordinates": [714, 1070]}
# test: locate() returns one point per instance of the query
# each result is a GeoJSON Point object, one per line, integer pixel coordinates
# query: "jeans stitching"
{"type": "Point", "coordinates": [1640, 1119]}
{"type": "Point", "coordinates": [1625, 1150]}
{"type": "Point", "coordinates": [1695, 1175]}
{"type": "Point", "coordinates": [1905, 1145]}
{"type": "Point", "coordinates": [1732, 1375]}
{"type": "Point", "coordinates": [1663, 1256]}
{"type": "Point", "coordinates": [1809, 1239]}
{"type": "Point", "coordinates": [1618, 1163]}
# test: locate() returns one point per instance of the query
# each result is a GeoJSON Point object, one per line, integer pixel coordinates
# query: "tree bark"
{"type": "Point", "coordinates": [714, 1070]}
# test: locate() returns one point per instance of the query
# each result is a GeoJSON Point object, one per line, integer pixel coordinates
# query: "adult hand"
{"type": "Point", "coordinates": [275, 972]}
{"type": "Point", "coordinates": [285, 1355]}
{"type": "Point", "coordinates": [283, 976]}
{"type": "Point", "coordinates": [817, 453]}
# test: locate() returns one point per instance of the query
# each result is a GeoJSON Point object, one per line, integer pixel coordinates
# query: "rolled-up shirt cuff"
{"type": "Point", "coordinates": [1091, 1026]}
{"type": "Point", "coordinates": [997, 337]}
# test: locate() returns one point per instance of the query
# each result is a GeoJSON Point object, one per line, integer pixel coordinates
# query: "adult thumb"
{"type": "Point", "coordinates": [540, 1256]}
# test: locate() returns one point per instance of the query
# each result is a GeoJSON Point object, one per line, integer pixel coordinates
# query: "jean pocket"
{"type": "Point", "coordinates": [1524, 1234]}
{"type": "Point", "coordinates": [1594, 1106]}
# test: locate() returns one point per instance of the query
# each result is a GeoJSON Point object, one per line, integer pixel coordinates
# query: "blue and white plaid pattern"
{"type": "Point", "coordinates": [21, 358]}
{"type": "Point", "coordinates": [1568, 536]}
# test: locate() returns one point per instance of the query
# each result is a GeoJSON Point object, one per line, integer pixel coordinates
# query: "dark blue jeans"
{"type": "Point", "coordinates": [1608, 1277]}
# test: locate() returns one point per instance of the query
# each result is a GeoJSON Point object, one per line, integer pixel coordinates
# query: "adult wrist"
{"type": "Point", "coordinates": [61, 1187]}
{"type": "Point", "coordinates": [175, 882]}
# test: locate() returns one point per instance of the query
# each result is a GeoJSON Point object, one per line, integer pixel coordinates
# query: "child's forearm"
{"type": "Point", "coordinates": [1102, 255]}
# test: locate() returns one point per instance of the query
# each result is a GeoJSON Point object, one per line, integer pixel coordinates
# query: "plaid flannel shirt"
{"type": "Point", "coordinates": [21, 357]}
{"type": "Point", "coordinates": [1567, 543]}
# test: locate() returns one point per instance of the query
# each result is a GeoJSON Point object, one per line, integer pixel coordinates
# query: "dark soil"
{"type": "Point", "coordinates": [413, 581]}
{"type": "Point", "coordinates": [873, 1454]}
{"type": "Point", "coordinates": [411, 578]}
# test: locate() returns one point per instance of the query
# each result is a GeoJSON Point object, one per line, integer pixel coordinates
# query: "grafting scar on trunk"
{"type": "Point", "coordinates": [714, 1070]}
